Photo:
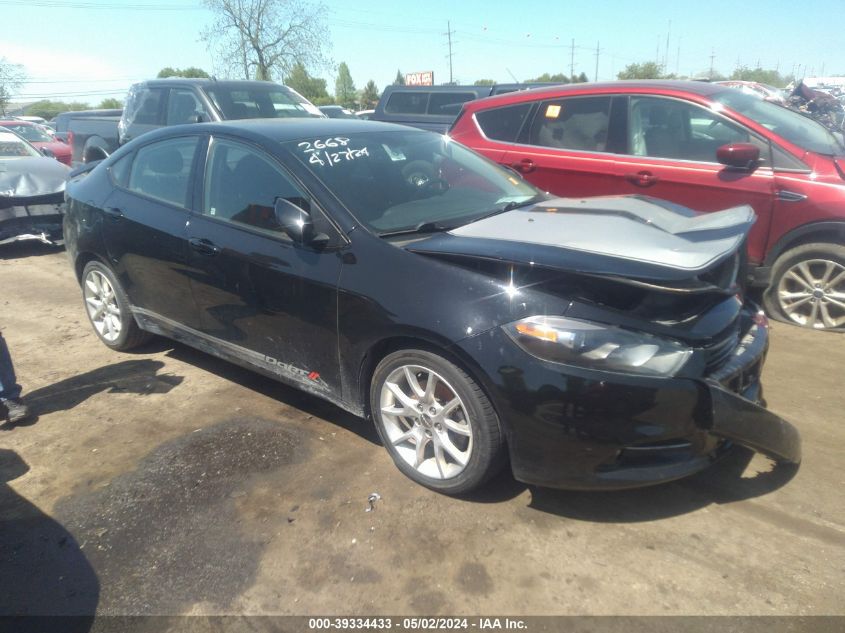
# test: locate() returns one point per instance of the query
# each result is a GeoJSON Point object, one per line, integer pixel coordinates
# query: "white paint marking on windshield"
{"type": "Point", "coordinates": [319, 153]}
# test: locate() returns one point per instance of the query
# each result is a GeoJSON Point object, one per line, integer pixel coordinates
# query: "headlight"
{"type": "Point", "coordinates": [596, 346]}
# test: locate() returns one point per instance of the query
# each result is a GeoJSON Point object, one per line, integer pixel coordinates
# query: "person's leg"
{"type": "Point", "coordinates": [10, 390]}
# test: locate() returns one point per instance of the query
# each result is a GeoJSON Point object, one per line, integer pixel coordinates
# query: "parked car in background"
{"type": "Point", "coordinates": [337, 112]}
{"type": "Point", "coordinates": [31, 192]}
{"type": "Point", "coordinates": [764, 91]}
{"type": "Point", "coordinates": [32, 119]}
{"type": "Point", "coordinates": [366, 115]}
{"type": "Point", "coordinates": [698, 144]}
{"type": "Point", "coordinates": [174, 101]}
{"type": "Point", "coordinates": [39, 139]}
{"type": "Point", "coordinates": [434, 107]}
{"type": "Point", "coordinates": [91, 134]}
{"type": "Point", "coordinates": [598, 343]}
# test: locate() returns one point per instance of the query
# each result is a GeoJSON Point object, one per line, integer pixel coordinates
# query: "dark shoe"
{"type": "Point", "coordinates": [16, 410]}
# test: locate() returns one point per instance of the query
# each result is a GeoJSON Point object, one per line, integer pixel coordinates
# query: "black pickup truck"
{"type": "Point", "coordinates": [435, 107]}
{"type": "Point", "coordinates": [175, 101]}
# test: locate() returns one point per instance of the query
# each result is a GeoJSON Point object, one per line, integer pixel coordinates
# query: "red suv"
{"type": "Point", "coordinates": [702, 145]}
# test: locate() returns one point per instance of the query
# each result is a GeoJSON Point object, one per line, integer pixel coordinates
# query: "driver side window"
{"type": "Point", "coordinates": [667, 128]}
{"type": "Point", "coordinates": [241, 186]}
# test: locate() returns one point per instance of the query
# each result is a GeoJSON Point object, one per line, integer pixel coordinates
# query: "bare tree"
{"type": "Point", "coordinates": [12, 76]}
{"type": "Point", "coordinates": [263, 39]}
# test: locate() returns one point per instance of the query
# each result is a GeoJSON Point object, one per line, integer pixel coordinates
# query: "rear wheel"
{"type": "Point", "coordinates": [108, 309]}
{"type": "Point", "coordinates": [808, 287]}
{"type": "Point", "coordinates": [435, 421]}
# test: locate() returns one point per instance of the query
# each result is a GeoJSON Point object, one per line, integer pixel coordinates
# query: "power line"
{"type": "Point", "coordinates": [111, 6]}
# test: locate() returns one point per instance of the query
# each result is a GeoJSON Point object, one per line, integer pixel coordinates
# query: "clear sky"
{"type": "Point", "coordinates": [90, 49]}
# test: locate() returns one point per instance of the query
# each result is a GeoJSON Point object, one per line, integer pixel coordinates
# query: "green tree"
{"type": "Point", "coordinates": [312, 88]}
{"type": "Point", "coordinates": [12, 77]}
{"type": "Point", "coordinates": [369, 96]}
{"type": "Point", "coordinates": [557, 78]}
{"type": "Point", "coordinates": [191, 71]}
{"type": "Point", "coordinates": [400, 78]}
{"type": "Point", "coordinates": [580, 79]}
{"type": "Point", "coordinates": [646, 70]}
{"type": "Point", "coordinates": [110, 104]}
{"type": "Point", "coordinates": [484, 82]}
{"type": "Point", "coordinates": [770, 77]}
{"type": "Point", "coordinates": [264, 39]}
{"type": "Point", "coordinates": [344, 87]}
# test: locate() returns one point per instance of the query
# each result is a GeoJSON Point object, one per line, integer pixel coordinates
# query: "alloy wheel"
{"type": "Point", "coordinates": [101, 303]}
{"type": "Point", "coordinates": [812, 293]}
{"type": "Point", "coordinates": [426, 422]}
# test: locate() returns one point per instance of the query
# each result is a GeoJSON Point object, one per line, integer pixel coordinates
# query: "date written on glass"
{"type": "Point", "coordinates": [330, 151]}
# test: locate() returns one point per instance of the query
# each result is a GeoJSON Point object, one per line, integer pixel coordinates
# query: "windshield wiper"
{"type": "Point", "coordinates": [510, 206]}
{"type": "Point", "coordinates": [422, 227]}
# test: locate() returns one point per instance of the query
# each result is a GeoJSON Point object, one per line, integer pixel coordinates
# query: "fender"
{"type": "Point", "coordinates": [833, 231]}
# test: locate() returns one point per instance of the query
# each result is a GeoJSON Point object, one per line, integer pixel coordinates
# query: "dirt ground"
{"type": "Point", "coordinates": [169, 482]}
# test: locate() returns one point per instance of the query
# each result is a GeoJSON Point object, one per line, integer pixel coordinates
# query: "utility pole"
{"type": "Point", "coordinates": [712, 57]}
{"type": "Point", "coordinates": [666, 52]}
{"type": "Point", "coordinates": [597, 61]}
{"type": "Point", "coordinates": [448, 34]}
{"type": "Point", "coordinates": [572, 60]}
{"type": "Point", "coordinates": [678, 59]}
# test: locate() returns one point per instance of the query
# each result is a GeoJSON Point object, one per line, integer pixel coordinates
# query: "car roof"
{"type": "Point", "coordinates": [282, 130]}
{"type": "Point", "coordinates": [700, 88]}
{"type": "Point", "coordinates": [6, 122]}
{"type": "Point", "coordinates": [194, 81]}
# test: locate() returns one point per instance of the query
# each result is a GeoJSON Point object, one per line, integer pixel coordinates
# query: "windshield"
{"type": "Point", "coordinates": [795, 128]}
{"type": "Point", "coordinates": [30, 133]}
{"type": "Point", "coordinates": [261, 102]}
{"type": "Point", "coordinates": [401, 180]}
{"type": "Point", "coordinates": [12, 146]}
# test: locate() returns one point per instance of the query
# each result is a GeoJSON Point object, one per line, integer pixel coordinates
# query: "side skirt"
{"type": "Point", "coordinates": [249, 359]}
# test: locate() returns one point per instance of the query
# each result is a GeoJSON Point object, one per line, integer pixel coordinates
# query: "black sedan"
{"type": "Point", "coordinates": [595, 343]}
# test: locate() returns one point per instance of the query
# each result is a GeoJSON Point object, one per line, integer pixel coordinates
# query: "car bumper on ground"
{"type": "Point", "coordinates": [42, 221]}
{"type": "Point", "coordinates": [568, 428]}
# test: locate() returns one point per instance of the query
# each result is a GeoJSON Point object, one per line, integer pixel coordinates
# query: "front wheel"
{"type": "Point", "coordinates": [108, 309]}
{"type": "Point", "coordinates": [808, 287]}
{"type": "Point", "coordinates": [435, 421]}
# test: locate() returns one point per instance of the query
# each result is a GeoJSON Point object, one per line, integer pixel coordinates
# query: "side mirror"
{"type": "Point", "coordinates": [46, 151]}
{"type": "Point", "coordinates": [297, 224]}
{"type": "Point", "coordinates": [199, 117]}
{"type": "Point", "coordinates": [740, 155]}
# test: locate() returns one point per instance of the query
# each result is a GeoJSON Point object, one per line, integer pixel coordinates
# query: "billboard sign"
{"type": "Point", "coordinates": [425, 78]}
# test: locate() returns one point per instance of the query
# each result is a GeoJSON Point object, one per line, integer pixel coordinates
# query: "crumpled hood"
{"type": "Point", "coordinates": [31, 177]}
{"type": "Point", "coordinates": [621, 236]}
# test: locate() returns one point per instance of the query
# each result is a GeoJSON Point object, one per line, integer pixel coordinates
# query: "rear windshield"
{"type": "Point", "coordinates": [795, 128]}
{"type": "Point", "coordinates": [30, 133]}
{"type": "Point", "coordinates": [425, 102]}
{"type": "Point", "coordinates": [261, 102]}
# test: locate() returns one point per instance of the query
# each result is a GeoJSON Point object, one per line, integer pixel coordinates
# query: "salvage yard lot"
{"type": "Point", "coordinates": [167, 482]}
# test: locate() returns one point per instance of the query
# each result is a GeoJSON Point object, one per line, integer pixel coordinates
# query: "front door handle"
{"type": "Point", "coordinates": [114, 213]}
{"type": "Point", "coordinates": [203, 246]}
{"type": "Point", "coordinates": [525, 166]}
{"type": "Point", "coordinates": [642, 178]}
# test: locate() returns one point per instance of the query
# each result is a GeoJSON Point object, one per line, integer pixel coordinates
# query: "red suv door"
{"type": "Point", "coordinates": [671, 154]}
{"type": "Point", "coordinates": [567, 147]}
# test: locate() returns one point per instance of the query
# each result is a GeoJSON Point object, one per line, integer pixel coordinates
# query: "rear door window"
{"type": "Point", "coordinates": [162, 170]}
{"type": "Point", "coordinates": [407, 103]}
{"type": "Point", "coordinates": [503, 124]}
{"type": "Point", "coordinates": [448, 103]}
{"type": "Point", "coordinates": [144, 106]}
{"type": "Point", "coordinates": [576, 123]}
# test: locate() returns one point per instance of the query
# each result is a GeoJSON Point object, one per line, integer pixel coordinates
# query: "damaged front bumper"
{"type": "Point", "coordinates": [574, 429]}
{"type": "Point", "coordinates": [39, 219]}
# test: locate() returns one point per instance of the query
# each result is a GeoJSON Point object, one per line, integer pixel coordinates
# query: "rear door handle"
{"type": "Point", "coordinates": [642, 178]}
{"type": "Point", "coordinates": [114, 213]}
{"type": "Point", "coordinates": [203, 247]}
{"type": "Point", "coordinates": [525, 166]}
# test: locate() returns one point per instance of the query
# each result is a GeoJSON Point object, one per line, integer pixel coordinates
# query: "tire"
{"type": "Point", "coordinates": [113, 322]}
{"type": "Point", "coordinates": [808, 287]}
{"type": "Point", "coordinates": [462, 443]}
